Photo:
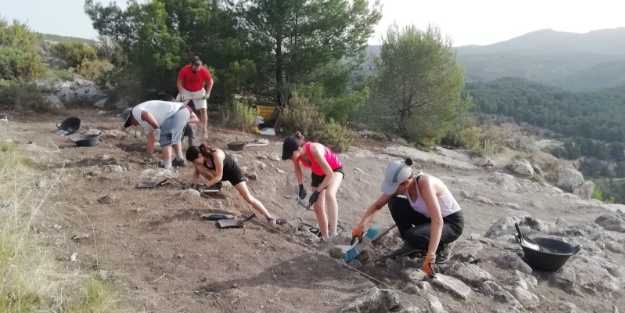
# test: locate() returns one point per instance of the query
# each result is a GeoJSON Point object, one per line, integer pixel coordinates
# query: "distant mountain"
{"type": "Point", "coordinates": [577, 62]}
{"type": "Point", "coordinates": [549, 42]}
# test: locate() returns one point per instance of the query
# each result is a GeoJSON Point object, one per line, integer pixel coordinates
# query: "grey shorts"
{"type": "Point", "coordinates": [172, 128]}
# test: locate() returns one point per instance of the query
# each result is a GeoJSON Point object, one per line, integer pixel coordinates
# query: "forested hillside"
{"type": "Point", "coordinates": [591, 124]}
{"type": "Point", "coordinates": [596, 115]}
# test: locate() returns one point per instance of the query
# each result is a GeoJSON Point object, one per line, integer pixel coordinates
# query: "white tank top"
{"type": "Point", "coordinates": [446, 201]}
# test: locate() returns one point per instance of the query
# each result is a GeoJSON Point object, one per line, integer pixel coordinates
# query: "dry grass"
{"type": "Point", "coordinates": [30, 279]}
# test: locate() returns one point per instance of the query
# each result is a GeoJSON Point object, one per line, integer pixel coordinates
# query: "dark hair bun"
{"type": "Point", "coordinates": [409, 161]}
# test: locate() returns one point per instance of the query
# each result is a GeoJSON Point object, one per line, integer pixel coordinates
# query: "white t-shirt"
{"type": "Point", "coordinates": [161, 110]}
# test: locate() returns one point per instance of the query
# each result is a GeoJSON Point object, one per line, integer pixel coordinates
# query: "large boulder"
{"type": "Point", "coordinates": [522, 167]}
{"type": "Point", "coordinates": [569, 179]}
{"type": "Point", "coordinates": [585, 190]}
{"type": "Point", "coordinates": [80, 91]}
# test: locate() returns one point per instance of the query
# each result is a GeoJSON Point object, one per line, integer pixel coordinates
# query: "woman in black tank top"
{"type": "Point", "coordinates": [215, 165]}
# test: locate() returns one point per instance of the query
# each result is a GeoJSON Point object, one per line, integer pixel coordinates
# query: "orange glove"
{"type": "Point", "coordinates": [427, 265]}
{"type": "Point", "coordinates": [357, 233]}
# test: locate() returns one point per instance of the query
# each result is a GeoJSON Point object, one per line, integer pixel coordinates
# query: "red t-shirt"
{"type": "Point", "coordinates": [193, 81]}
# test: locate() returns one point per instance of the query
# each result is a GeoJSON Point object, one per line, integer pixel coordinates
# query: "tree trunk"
{"type": "Point", "coordinates": [280, 98]}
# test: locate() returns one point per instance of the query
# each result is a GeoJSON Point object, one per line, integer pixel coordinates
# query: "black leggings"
{"type": "Point", "coordinates": [414, 227]}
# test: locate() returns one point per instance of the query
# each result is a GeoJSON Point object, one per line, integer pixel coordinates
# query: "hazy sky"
{"type": "Point", "coordinates": [467, 22]}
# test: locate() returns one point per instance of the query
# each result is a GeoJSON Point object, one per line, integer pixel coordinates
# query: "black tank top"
{"type": "Point", "coordinates": [228, 163]}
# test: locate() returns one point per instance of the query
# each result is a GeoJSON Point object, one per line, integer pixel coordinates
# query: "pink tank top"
{"type": "Point", "coordinates": [330, 157]}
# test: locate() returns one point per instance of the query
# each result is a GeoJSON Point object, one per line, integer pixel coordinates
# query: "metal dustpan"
{"type": "Point", "coordinates": [234, 223]}
{"type": "Point", "coordinates": [151, 184]}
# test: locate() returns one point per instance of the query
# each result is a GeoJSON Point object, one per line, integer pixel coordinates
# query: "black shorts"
{"type": "Point", "coordinates": [233, 175]}
{"type": "Point", "coordinates": [317, 179]}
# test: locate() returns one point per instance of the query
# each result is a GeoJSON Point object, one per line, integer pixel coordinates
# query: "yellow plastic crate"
{"type": "Point", "coordinates": [266, 111]}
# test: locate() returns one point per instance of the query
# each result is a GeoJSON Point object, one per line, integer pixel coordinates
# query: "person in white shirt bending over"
{"type": "Point", "coordinates": [171, 118]}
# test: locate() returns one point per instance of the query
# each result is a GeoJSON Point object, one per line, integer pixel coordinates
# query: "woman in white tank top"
{"type": "Point", "coordinates": [427, 215]}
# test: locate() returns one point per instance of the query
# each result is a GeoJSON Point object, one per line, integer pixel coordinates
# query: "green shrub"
{"type": "Point", "coordinates": [491, 142]}
{"type": "Point", "coordinates": [463, 134]}
{"type": "Point", "coordinates": [302, 115]}
{"type": "Point", "coordinates": [244, 116]}
{"type": "Point", "coordinates": [22, 97]}
{"type": "Point", "coordinates": [239, 115]}
{"type": "Point", "coordinates": [597, 193]}
{"type": "Point", "coordinates": [333, 135]}
{"type": "Point", "coordinates": [94, 70]}
{"type": "Point", "coordinates": [74, 53]}
{"type": "Point", "coordinates": [19, 52]}
{"type": "Point", "coordinates": [339, 108]}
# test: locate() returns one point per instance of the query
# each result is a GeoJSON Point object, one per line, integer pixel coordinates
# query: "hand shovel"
{"type": "Point", "coordinates": [217, 216]}
{"type": "Point", "coordinates": [525, 241]}
{"type": "Point", "coordinates": [152, 184]}
{"type": "Point", "coordinates": [301, 203]}
{"type": "Point", "coordinates": [234, 223]}
{"type": "Point", "coordinates": [357, 245]}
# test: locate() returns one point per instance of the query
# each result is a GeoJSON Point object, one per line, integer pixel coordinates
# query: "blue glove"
{"type": "Point", "coordinates": [313, 198]}
{"type": "Point", "coordinates": [302, 192]}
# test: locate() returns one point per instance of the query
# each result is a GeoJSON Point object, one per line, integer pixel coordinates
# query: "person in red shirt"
{"type": "Point", "coordinates": [191, 79]}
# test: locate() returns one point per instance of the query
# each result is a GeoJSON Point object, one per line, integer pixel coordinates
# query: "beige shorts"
{"type": "Point", "coordinates": [197, 103]}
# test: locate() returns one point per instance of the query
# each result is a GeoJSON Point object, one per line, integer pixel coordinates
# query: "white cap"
{"type": "Point", "coordinates": [395, 174]}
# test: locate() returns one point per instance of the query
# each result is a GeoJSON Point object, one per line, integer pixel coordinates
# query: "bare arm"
{"type": "Point", "coordinates": [150, 149]}
{"type": "Point", "coordinates": [196, 174]}
{"type": "Point", "coordinates": [374, 208]}
{"type": "Point", "coordinates": [179, 85]}
{"type": "Point", "coordinates": [298, 171]}
{"type": "Point", "coordinates": [193, 118]}
{"type": "Point", "coordinates": [430, 187]}
{"type": "Point", "coordinates": [209, 86]}
{"type": "Point", "coordinates": [149, 118]}
{"type": "Point", "coordinates": [218, 159]}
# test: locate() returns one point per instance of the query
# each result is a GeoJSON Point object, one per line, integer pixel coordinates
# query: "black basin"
{"type": "Point", "coordinates": [86, 140]}
{"type": "Point", "coordinates": [71, 125]}
{"type": "Point", "coordinates": [551, 255]}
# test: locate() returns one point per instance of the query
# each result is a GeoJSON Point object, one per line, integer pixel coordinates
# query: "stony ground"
{"type": "Point", "coordinates": [155, 247]}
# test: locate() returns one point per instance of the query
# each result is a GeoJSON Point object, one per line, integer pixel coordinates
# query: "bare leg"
{"type": "Point", "coordinates": [332, 205]}
{"type": "Point", "coordinates": [166, 153]}
{"type": "Point", "coordinates": [177, 148]}
{"type": "Point", "coordinates": [320, 211]}
{"type": "Point", "coordinates": [247, 196]}
{"type": "Point", "coordinates": [204, 123]}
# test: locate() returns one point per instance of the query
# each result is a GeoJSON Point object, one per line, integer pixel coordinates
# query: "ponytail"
{"type": "Point", "coordinates": [194, 152]}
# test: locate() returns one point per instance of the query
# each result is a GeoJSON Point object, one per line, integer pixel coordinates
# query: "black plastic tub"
{"type": "Point", "coordinates": [237, 145]}
{"type": "Point", "coordinates": [551, 255]}
{"type": "Point", "coordinates": [86, 140]}
{"type": "Point", "coordinates": [71, 125]}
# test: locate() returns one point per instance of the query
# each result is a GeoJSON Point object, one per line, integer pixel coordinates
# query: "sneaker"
{"type": "Point", "coordinates": [444, 253]}
{"type": "Point", "coordinates": [409, 251]}
{"type": "Point", "coordinates": [216, 186]}
{"type": "Point", "coordinates": [276, 221]}
{"type": "Point", "coordinates": [177, 162]}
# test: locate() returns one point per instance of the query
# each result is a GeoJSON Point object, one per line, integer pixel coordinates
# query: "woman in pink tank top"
{"type": "Point", "coordinates": [327, 175]}
{"type": "Point", "coordinates": [427, 215]}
